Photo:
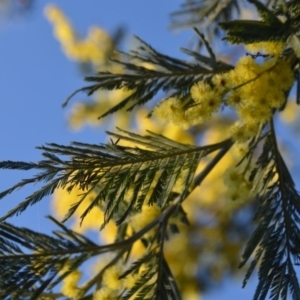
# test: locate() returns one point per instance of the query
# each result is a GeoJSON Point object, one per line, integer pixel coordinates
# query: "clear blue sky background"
{"type": "Point", "coordinates": [36, 77]}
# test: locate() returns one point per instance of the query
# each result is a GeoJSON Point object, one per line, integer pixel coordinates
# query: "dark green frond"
{"type": "Point", "coordinates": [138, 263]}
{"type": "Point", "coordinates": [108, 172]}
{"type": "Point", "coordinates": [265, 13]}
{"type": "Point", "coordinates": [291, 9]}
{"type": "Point", "coordinates": [23, 273]}
{"type": "Point", "coordinates": [166, 74]}
{"type": "Point", "coordinates": [157, 281]}
{"type": "Point", "coordinates": [277, 236]}
{"type": "Point", "coordinates": [205, 14]}
{"type": "Point", "coordinates": [247, 31]}
{"type": "Point", "coordinates": [17, 165]}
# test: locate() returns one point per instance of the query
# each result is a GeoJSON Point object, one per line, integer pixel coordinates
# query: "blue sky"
{"type": "Point", "coordinates": [36, 77]}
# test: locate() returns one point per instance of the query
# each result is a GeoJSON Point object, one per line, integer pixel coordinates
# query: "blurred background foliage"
{"type": "Point", "coordinates": [207, 250]}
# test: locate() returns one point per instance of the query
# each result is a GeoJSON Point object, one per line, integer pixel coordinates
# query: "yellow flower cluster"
{"type": "Point", "coordinates": [103, 294]}
{"type": "Point", "coordinates": [63, 200]}
{"type": "Point", "coordinates": [270, 48]}
{"type": "Point", "coordinates": [144, 217]}
{"type": "Point", "coordinates": [88, 113]}
{"type": "Point", "coordinates": [253, 90]}
{"type": "Point", "coordinates": [69, 286]}
{"type": "Point", "coordinates": [89, 50]}
{"type": "Point", "coordinates": [113, 287]}
{"type": "Point", "coordinates": [256, 91]}
{"type": "Point", "coordinates": [172, 109]}
{"type": "Point", "coordinates": [239, 188]}
{"type": "Point", "coordinates": [207, 101]}
{"type": "Point", "coordinates": [95, 49]}
{"type": "Point", "coordinates": [111, 278]}
{"type": "Point", "coordinates": [170, 130]}
{"type": "Point", "coordinates": [239, 89]}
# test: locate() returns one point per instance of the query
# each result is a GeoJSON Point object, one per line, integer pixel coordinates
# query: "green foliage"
{"type": "Point", "coordinates": [170, 75]}
{"type": "Point", "coordinates": [33, 264]}
{"type": "Point", "coordinates": [248, 32]}
{"type": "Point", "coordinates": [28, 274]}
{"type": "Point", "coordinates": [207, 14]}
{"type": "Point", "coordinates": [270, 28]}
{"type": "Point", "coordinates": [54, 252]}
{"type": "Point", "coordinates": [265, 13]}
{"type": "Point", "coordinates": [110, 170]}
{"type": "Point", "coordinates": [276, 238]}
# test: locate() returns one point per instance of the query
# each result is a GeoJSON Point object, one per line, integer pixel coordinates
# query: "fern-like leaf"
{"type": "Point", "coordinates": [277, 238]}
{"type": "Point", "coordinates": [246, 31]}
{"type": "Point", "coordinates": [167, 74]}
{"type": "Point", "coordinates": [109, 171]}
{"type": "Point", "coordinates": [23, 273]}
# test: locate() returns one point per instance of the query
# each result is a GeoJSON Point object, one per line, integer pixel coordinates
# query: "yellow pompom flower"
{"type": "Point", "coordinates": [204, 107]}
{"type": "Point", "coordinates": [283, 74]}
{"type": "Point", "coordinates": [234, 99]}
{"type": "Point", "coordinates": [269, 81]}
{"type": "Point", "coordinates": [276, 97]}
{"type": "Point", "coordinates": [253, 113]}
{"type": "Point", "coordinates": [221, 82]}
{"type": "Point", "coordinates": [246, 69]}
{"type": "Point", "coordinates": [241, 193]}
{"type": "Point", "coordinates": [171, 109]}
{"type": "Point", "coordinates": [197, 114]}
{"type": "Point", "coordinates": [111, 279]}
{"type": "Point", "coordinates": [104, 294]}
{"type": "Point", "coordinates": [232, 177]}
{"type": "Point", "coordinates": [69, 286]}
{"type": "Point", "coordinates": [239, 189]}
{"type": "Point", "coordinates": [212, 100]}
{"type": "Point", "coordinates": [236, 195]}
{"type": "Point", "coordinates": [166, 108]}
{"type": "Point", "coordinates": [143, 218]}
{"type": "Point", "coordinates": [63, 30]}
{"type": "Point", "coordinates": [130, 280]}
{"type": "Point", "coordinates": [272, 48]}
{"type": "Point", "coordinates": [199, 89]}
{"type": "Point", "coordinates": [252, 129]}
{"type": "Point", "coordinates": [238, 151]}
{"type": "Point", "coordinates": [93, 49]}
{"type": "Point", "coordinates": [241, 132]}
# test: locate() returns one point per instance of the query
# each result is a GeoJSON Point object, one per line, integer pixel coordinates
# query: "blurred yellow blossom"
{"type": "Point", "coordinates": [143, 218]}
{"type": "Point", "coordinates": [253, 90]}
{"type": "Point", "coordinates": [171, 110]}
{"type": "Point", "coordinates": [199, 89]}
{"type": "Point", "coordinates": [103, 293]}
{"type": "Point", "coordinates": [111, 279]}
{"type": "Point", "coordinates": [271, 48]}
{"type": "Point", "coordinates": [69, 286]}
{"type": "Point", "coordinates": [290, 113]}
{"type": "Point", "coordinates": [91, 50]}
